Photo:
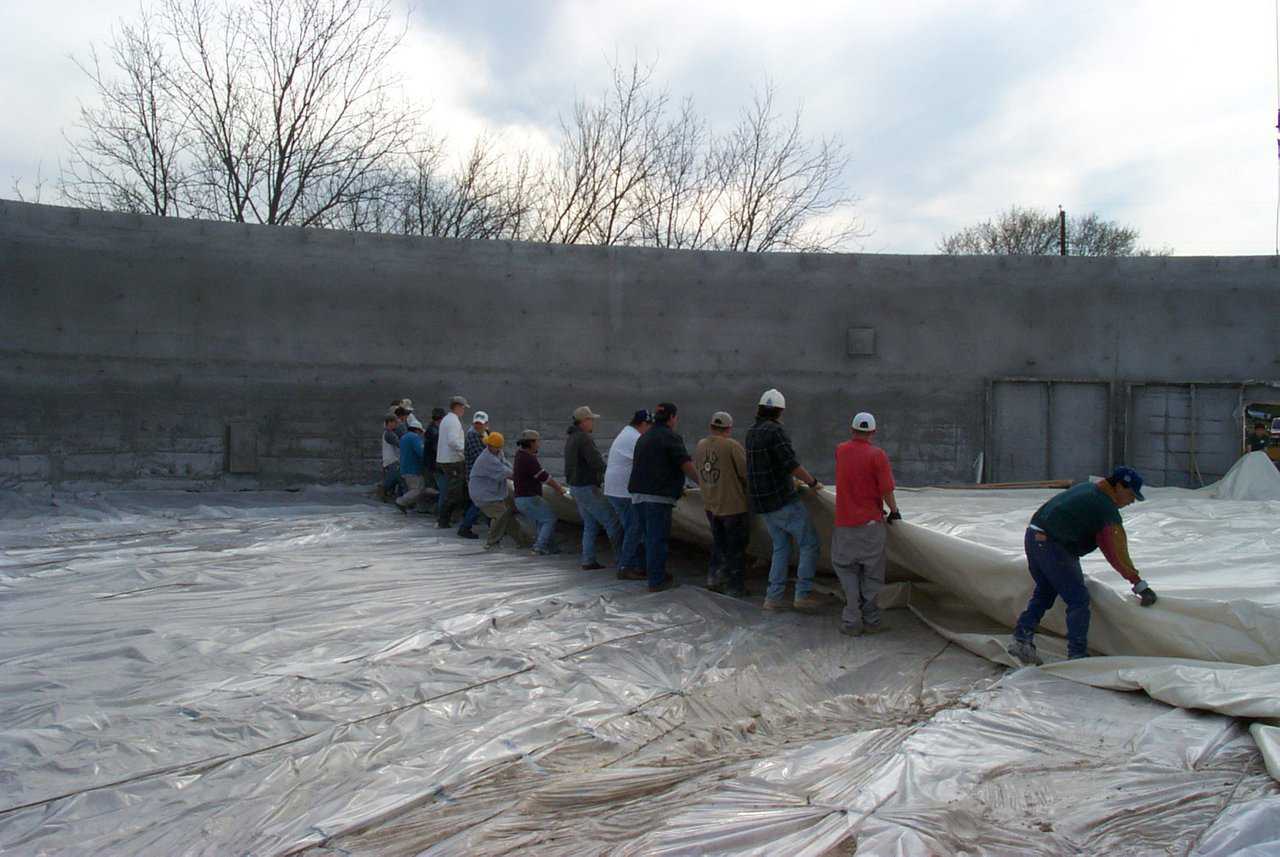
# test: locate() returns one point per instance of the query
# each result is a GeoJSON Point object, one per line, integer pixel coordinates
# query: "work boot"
{"type": "Point", "coordinates": [770, 604]}
{"type": "Point", "coordinates": [1025, 653]}
{"type": "Point", "coordinates": [807, 603]}
{"type": "Point", "coordinates": [468, 534]}
{"type": "Point", "coordinates": [850, 630]}
{"type": "Point", "coordinates": [877, 628]}
{"type": "Point", "coordinates": [668, 582]}
{"type": "Point", "coordinates": [592, 566]}
{"type": "Point", "coordinates": [632, 574]}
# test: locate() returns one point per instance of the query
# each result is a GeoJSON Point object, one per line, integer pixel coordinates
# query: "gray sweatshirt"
{"type": "Point", "coordinates": [488, 483]}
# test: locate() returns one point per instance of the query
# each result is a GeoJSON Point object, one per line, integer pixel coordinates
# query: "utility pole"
{"type": "Point", "coordinates": [1062, 232]}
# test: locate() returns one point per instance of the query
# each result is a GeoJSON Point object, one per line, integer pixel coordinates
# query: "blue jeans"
{"type": "Point", "coordinates": [442, 489]}
{"type": "Point", "coordinates": [470, 517]}
{"type": "Point", "coordinates": [655, 521]}
{"type": "Point", "coordinates": [544, 518]}
{"type": "Point", "coordinates": [597, 515]}
{"type": "Point", "coordinates": [391, 480]}
{"type": "Point", "coordinates": [632, 537]}
{"type": "Point", "coordinates": [1056, 573]}
{"type": "Point", "coordinates": [791, 522]}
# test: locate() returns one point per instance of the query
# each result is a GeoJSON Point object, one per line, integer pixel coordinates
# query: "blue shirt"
{"type": "Point", "coordinates": [411, 454]}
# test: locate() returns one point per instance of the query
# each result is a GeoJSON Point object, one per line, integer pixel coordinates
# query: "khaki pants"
{"type": "Point", "coordinates": [858, 557]}
{"type": "Point", "coordinates": [408, 498]}
{"type": "Point", "coordinates": [502, 520]}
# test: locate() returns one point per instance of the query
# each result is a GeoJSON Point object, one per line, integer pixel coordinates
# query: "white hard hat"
{"type": "Point", "coordinates": [413, 422]}
{"type": "Point", "coordinates": [864, 422]}
{"type": "Point", "coordinates": [773, 399]}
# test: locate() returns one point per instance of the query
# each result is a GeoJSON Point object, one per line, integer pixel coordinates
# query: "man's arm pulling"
{"type": "Point", "coordinates": [1115, 547]}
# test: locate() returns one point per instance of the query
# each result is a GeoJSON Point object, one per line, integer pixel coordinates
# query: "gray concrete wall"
{"type": "Point", "coordinates": [130, 343]}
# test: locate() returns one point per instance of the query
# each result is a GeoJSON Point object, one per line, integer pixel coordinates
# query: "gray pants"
{"type": "Point", "coordinates": [857, 555]}
{"type": "Point", "coordinates": [502, 520]}
{"type": "Point", "coordinates": [408, 498]}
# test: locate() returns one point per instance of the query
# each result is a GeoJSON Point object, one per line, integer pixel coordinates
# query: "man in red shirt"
{"type": "Point", "coordinates": [864, 487]}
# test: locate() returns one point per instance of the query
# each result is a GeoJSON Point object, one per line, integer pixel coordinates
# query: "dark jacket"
{"type": "Point", "coordinates": [527, 474]}
{"type": "Point", "coordinates": [770, 460]}
{"type": "Point", "coordinates": [430, 440]}
{"type": "Point", "coordinates": [583, 464]}
{"type": "Point", "coordinates": [657, 467]}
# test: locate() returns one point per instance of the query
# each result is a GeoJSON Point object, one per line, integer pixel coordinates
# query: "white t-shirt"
{"type": "Point", "coordinates": [617, 471]}
{"type": "Point", "coordinates": [390, 454]}
{"type": "Point", "coordinates": [449, 449]}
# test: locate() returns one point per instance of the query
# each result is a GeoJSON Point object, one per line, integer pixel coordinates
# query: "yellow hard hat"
{"type": "Point", "coordinates": [494, 439]}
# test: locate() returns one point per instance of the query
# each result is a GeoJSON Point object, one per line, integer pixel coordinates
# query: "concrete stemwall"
{"type": "Point", "coordinates": [131, 343]}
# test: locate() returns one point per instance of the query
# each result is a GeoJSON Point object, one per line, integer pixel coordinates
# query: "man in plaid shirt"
{"type": "Point", "coordinates": [472, 446]}
{"type": "Point", "coordinates": [772, 471]}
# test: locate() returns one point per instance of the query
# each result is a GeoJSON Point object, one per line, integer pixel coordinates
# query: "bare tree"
{"type": "Point", "coordinates": [777, 184]}
{"type": "Point", "coordinates": [132, 149]}
{"type": "Point", "coordinates": [17, 187]}
{"type": "Point", "coordinates": [678, 206]}
{"type": "Point", "coordinates": [272, 111]}
{"type": "Point", "coordinates": [1092, 236]}
{"type": "Point", "coordinates": [609, 150]}
{"type": "Point", "coordinates": [1028, 232]}
{"type": "Point", "coordinates": [488, 195]}
{"type": "Point", "coordinates": [283, 112]}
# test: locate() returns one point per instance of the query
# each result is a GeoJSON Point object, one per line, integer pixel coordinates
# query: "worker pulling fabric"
{"type": "Point", "coordinates": [1071, 525]}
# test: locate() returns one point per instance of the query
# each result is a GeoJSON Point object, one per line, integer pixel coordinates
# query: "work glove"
{"type": "Point", "coordinates": [895, 515]}
{"type": "Point", "coordinates": [1145, 593]}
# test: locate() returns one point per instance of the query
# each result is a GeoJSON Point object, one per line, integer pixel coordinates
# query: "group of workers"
{"type": "Point", "coordinates": [630, 496]}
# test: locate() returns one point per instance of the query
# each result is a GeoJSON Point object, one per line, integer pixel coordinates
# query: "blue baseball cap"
{"type": "Point", "coordinates": [641, 416]}
{"type": "Point", "coordinates": [1129, 478]}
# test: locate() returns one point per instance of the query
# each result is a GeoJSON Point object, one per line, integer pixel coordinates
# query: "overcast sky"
{"type": "Point", "coordinates": [1157, 114]}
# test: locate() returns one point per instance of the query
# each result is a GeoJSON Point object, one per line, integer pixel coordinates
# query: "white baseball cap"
{"type": "Point", "coordinates": [413, 422]}
{"type": "Point", "coordinates": [480, 417]}
{"type": "Point", "coordinates": [773, 399]}
{"type": "Point", "coordinates": [864, 422]}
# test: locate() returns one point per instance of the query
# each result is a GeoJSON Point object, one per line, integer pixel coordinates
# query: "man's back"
{"type": "Point", "coordinates": [863, 478]}
{"type": "Point", "coordinates": [770, 463]}
{"type": "Point", "coordinates": [430, 440]}
{"type": "Point", "coordinates": [450, 447]}
{"type": "Point", "coordinates": [1074, 517]}
{"type": "Point", "coordinates": [411, 454]}
{"type": "Point", "coordinates": [656, 469]}
{"type": "Point", "coordinates": [721, 463]}
{"type": "Point", "coordinates": [621, 454]}
{"type": "Point", "coordinates": [583, 464]}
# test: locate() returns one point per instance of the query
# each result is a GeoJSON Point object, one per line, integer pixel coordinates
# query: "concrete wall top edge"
{"type": "Point", "coordinates": [37, 216]}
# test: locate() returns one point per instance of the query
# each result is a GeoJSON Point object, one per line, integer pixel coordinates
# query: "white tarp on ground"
{"type": "Point", "coordinates": [258, 674]}
{"type": "Point", "coordinates": [1212, 641]}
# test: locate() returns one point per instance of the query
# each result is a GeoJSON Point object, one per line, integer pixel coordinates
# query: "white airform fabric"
{"type": "Point", "coordinates": [237, 673]}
